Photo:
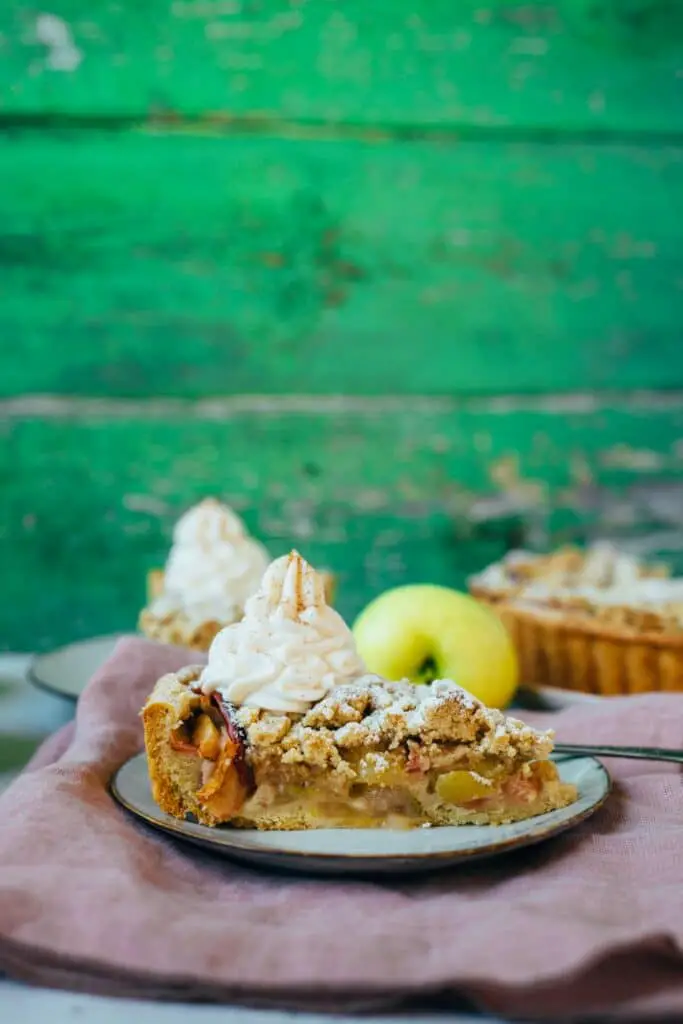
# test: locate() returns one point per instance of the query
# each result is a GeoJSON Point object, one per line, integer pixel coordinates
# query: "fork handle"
{"type": "Point", "coordinates": [637, 753]}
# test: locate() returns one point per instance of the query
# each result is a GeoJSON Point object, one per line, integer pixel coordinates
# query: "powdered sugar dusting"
{"type": "Point", "coordinates": [372, 712]}
{"type": "Point", "coordinates": [601, 582]}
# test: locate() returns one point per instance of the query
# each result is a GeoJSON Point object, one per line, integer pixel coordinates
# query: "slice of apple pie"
{"type": "Point", "coordinates": [284, 729]}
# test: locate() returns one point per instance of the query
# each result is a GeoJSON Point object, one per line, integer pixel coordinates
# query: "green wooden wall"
{"type": "Point", "coordinates": [402, 281]}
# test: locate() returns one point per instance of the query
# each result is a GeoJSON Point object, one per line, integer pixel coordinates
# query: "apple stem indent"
{"type": "Point", "coordinates": [427, 672]}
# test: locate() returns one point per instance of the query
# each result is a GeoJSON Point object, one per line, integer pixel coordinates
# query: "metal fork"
{"type": "Point", "coordinates": [569, 750]}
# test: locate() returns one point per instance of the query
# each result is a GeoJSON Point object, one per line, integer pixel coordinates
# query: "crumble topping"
{"type": "Point", "coordinates": [370, 725]}
{"type": "Point", "coordinates": [372, 715]}
{"type": "Point", "coordinates": [601, 583]}
{"type": "Point", "coordinates": [601, 566]}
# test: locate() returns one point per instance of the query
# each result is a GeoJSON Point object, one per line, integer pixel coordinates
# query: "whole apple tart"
{"type": "Point", "coordinates": [599, 621]}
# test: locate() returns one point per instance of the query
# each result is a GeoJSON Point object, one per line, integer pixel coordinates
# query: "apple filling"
{"type": "Point", "coordinates": [385, 789]}
{"type": "Point", "coordinates": [212, 735]}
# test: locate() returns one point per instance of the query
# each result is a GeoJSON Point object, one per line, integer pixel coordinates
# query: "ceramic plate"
{"type": "Point", "coordinates": [345, 851]}
{"type": "Point", "coordinates": [67, 670]}
{"type": "Point", "coordinates": [552, 698]}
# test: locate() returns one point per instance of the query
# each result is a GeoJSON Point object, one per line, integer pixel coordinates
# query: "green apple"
{"type": "Point", "coordinates": [423, 632]}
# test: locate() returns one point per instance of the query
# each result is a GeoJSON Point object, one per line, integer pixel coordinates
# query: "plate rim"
{"type": "Point", "coordinates": [579, 696]}
{"type": "Point", "coordinates": [470, 854]}
{"type": "Point", "coordinates": [35, 679]}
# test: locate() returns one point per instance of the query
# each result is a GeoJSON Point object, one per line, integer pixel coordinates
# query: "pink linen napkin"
{"type": "Point", "coordinates": [589, 923]}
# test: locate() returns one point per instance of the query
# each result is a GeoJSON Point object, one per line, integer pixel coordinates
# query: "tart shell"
{"type": "Point", "coordinates": [176, 628]}
{"type": "Point", "coordinates": [570, 648]}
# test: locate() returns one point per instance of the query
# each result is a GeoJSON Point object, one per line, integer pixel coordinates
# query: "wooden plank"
{"type": "Point", "coordinates": [142, 264]}
{"type": "Point", "coordinates": [379, 492]}
{"type": "Point", "coordinates": [565, 64]}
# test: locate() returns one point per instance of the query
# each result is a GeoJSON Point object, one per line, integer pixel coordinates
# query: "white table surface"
{"type": "Point", "coordinates": [38, 1006]}
{"type": "Point", "coordinates": [30, 714]}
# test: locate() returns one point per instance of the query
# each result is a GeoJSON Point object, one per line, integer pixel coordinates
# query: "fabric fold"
{"type": "Point", "coordinates": [588, 923]}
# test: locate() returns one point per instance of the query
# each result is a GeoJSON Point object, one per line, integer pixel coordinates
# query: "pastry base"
{"type": "Point", "coordinates": [303, 816]}
{"type": "Point", "coordinates": [177, 629]}
{"type": "Point", "coordinates": [175, 777]}
{"type": "Point", "coordinates": [576, 651]}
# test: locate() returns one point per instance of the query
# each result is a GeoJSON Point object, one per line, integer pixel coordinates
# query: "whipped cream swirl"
{"type": "Point", "coordinates": [213, 566]}
{"type": "Point", "coordinates": [289, 650]}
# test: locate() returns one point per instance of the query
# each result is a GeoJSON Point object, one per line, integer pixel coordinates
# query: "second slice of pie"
{"type": "Point", "coordinates": [284, 729]}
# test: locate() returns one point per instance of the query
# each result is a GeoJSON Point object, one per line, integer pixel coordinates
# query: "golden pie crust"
{"type": "Point", "coordinates": [569, 641]}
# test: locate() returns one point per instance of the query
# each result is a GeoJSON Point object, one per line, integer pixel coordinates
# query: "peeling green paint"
{"type": "Point", "coordinates": [89, 504]}
{"type": "Point", "coordinates": [404, 286]}
{"type": "Point", "coordinates": [143, 266]}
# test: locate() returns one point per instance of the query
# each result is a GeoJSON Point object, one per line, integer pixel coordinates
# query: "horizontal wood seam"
{"type": "Point", "coordinates": [58, 407]}
{"type": "Point", "coordinates": [226, 124]}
